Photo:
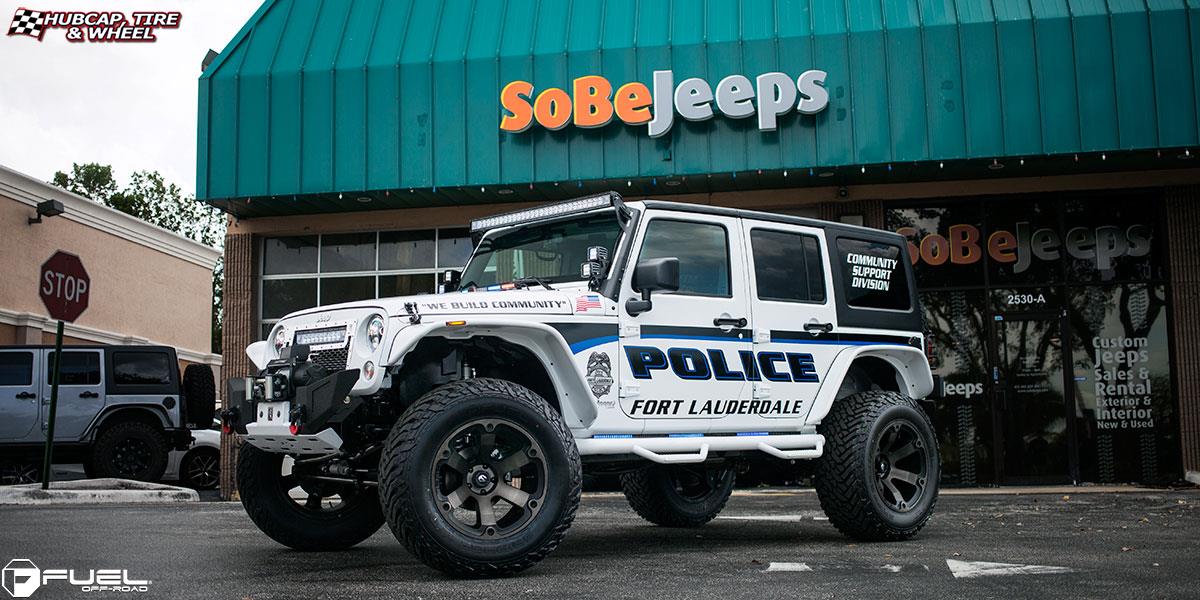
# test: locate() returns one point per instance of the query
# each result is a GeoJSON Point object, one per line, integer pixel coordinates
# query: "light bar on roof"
{"type": "Point", "coordinates": [542, 212]}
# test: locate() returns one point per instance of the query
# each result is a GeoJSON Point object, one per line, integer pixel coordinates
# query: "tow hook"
{"type": "Point", "coordinates": [296, 416]}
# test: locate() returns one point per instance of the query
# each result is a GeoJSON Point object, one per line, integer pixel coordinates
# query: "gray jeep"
{"type": "Point", "coordinates": [121, 409]}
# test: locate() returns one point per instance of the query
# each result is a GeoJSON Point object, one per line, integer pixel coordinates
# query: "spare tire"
{"type": "Point", "coordinates": [199, 396]}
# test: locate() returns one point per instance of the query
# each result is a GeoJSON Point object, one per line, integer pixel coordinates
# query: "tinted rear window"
{"type": "Point", "coordinates": [78, 368]}
{"type": "Point", "coordinates": [787, 266]}
{"type": "Point", "coordinates": [16, 368]}
{"type": "Point", "coordinates": [141, 368]}
{"type": "Point", "coordinates": [873, 275]}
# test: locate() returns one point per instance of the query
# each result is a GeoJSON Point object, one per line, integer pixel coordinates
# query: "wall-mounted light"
{"type": "Point", "coordinates": [49, 208]}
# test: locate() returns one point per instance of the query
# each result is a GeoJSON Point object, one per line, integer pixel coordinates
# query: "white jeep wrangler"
{"type": "Point", "coordinates": [662, 341]}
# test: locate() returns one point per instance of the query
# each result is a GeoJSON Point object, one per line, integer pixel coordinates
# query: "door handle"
{"type": "Point", "coordinates": [816, 328]}
{"type": "Point", "coordinates": [27, 396]}
{"type": "Point", "coordinates": [730, 322]}
{"type": "Point", "coordinates": [88, 395]}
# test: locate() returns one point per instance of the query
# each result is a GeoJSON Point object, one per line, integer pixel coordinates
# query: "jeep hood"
{"type": "Point", "coordinates": [520, 301]}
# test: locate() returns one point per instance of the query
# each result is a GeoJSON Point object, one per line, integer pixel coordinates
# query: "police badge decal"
{"type": "Point", "coordinates": [599, 373]}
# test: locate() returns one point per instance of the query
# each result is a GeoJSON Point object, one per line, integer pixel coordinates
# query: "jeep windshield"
{"type": "Point", "coordinates": [549, 251]}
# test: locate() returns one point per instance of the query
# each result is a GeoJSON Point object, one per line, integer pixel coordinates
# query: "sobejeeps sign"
{"type": "Point", "coordinates": [593, 103]}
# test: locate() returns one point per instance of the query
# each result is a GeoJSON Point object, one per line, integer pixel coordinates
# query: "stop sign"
{"type": "Point", "coordinates": [64, 286]}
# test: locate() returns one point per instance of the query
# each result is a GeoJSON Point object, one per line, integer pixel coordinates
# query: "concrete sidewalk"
{"type": "Point", "coordinates": [96, 491]}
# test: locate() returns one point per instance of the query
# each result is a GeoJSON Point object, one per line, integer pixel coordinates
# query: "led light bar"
{"type": "Point", "coordinates": [321, 337]}
{"type": "Point", "coordinates": [550, 210]}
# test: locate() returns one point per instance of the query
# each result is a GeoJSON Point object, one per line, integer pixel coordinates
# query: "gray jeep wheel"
{"type": "Point", "coordinates": [878, 478]}
{"type": "Point", "coordinates": [678, 495]}
{"type": "Point", "coordinates": [480, 478]}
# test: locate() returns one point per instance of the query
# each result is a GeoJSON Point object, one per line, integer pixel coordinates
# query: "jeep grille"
{"type": "Point", "coordinates": [333, 360]}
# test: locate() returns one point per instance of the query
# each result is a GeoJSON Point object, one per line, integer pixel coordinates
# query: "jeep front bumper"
{"type": "Point", "coordinates": [304, 421]}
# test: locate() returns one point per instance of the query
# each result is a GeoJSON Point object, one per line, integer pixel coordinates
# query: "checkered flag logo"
{"type": "Point", "coordinates": [28, 22]}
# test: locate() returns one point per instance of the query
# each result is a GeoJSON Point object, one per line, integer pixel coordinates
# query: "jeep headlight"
{"type": "Point", "coordinates": [375, 332]}
{"type": "Point", "coordinates": [280, 339]}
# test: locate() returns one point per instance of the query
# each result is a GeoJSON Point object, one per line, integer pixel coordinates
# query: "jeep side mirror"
{"type": "Point", "coordinates": [450, 281]}
{"type": "Point", "coordinates": [654, 275]}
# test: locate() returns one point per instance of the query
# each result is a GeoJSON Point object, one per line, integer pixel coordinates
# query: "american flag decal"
{"type": "Point", "coordinates": [28, 22]}
{"type": "Point", "coordinates": [586, 303]}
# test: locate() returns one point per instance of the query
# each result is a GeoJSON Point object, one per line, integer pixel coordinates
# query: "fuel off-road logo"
{"type": "Point", "coordinates": [94, 26]}
{"type": "Point", "coordinates": [21, 578]}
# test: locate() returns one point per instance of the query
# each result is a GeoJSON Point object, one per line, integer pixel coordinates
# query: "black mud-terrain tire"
{"type": "Point", "coordinates": [129, 450]}
{"type": "Point", "coordinates": [407, 481]}
{"type": "Point", "coordinates": [200, 394]}
{"type": "Point", "coordinates": [259, 480]}
{"type": "Point", "coordinates": [676, 495]}
{"type": "Point", "coordinates": [848, 480]}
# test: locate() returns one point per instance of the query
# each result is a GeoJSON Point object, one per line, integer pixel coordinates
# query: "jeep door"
{"type": "Point", "coordinates": [19, 394]}
{"type": "Point", "coordinates": [680, 361]}
{"type": "Point", "coordinates": [795, 318]}
{"type": "Point", "coordinates": [80, 391]}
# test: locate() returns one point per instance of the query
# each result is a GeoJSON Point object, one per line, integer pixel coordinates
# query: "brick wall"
{"type": "Point", "coordinates": [1183, 239]}
{"type": "Point", "coordinates": [237, 333]}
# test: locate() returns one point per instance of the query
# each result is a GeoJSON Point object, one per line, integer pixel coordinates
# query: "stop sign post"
{"type": "Point", "coordinates": [64, 287]}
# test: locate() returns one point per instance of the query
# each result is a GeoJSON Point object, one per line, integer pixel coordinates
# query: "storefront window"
{"type": "Point", "coordinates": [1024, 244]}
{"type": "Point", "coordinates": [335, 290]}
{"type": "Point", "coordinates": [307, 271]}
{"type": "Point", "coordinates": [348, 252]}
{"type": "Point", "coordinates": [406, 285]}
{"type": "Point", "coordinates": [945, 243]}
{"type": "Point", "coordinates": [406, 250]}
{"type": "Point", "coordinates": [290, 255]}
{"type": "Point", "coordinates": [1111, 240]}
{"type": "Point", "coordinates": [282, 296]}
{"type": "Point", "coordinates": [1046, 326]}
{"type": "Point", "coordinates": [1122, 383]}
{"type": "Point", "coordinates": [454, 248]}
{"type": "Point", "coordinates": [956, 330]}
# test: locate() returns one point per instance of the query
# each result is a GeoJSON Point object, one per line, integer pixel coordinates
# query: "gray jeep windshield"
{"type": "Point", "coordinates": [551, 251]}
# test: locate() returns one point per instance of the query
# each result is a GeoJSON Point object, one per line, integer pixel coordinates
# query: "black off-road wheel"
{"type": "Point", "coordinates": [878, 478]}
{"type": "Point", "coordinates": [129, 450]}
{"type": "Point", "coordinates": [480, 478]}
{"type": "Point", "coordinates": [299, 512]}
{"type": "Point", "coordinates": [678, 495]}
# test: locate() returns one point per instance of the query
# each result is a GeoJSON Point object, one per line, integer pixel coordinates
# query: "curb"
{"type": "Point", "coordinates": [96, 491]}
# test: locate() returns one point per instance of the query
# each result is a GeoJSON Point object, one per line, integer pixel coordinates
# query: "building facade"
{"type": "Point", "coordinates": [1038, 157]}
{"type": "Point", "coordinates": [148, 285]}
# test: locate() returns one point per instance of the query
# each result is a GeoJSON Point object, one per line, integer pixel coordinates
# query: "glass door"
{"type": "Point", "coordinates": [1035, 439]}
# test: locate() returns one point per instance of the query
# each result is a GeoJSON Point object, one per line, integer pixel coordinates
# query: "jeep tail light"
{"type": "Point", "coordinates": [294, 428]}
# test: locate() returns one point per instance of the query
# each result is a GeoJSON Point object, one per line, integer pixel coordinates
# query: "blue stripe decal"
{"type": "Point", "coordinates": [580, 346]}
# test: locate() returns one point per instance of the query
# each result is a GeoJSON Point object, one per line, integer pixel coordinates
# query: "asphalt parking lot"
{"type": "Point", "coordinates": [767, 544]}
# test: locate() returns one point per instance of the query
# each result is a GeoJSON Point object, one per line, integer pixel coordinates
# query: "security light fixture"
{"type": "Point", "coordinates": [49, 208]}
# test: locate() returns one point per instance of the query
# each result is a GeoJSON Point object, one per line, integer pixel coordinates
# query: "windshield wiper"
{"type": "Point", "coordinates": [529, 279]}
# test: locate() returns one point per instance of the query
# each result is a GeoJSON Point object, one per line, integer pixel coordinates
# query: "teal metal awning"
{"type": "Point", "coordinates": [315, 104]}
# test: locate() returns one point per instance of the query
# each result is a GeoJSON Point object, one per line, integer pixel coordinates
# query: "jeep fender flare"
{"type": "Point", "coordinates": [120, 410]}
{"type": "Point", "coordinates": [909, 363]}
{"type": "Point", "coordinates": [544, 342]}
